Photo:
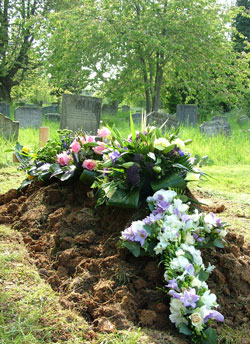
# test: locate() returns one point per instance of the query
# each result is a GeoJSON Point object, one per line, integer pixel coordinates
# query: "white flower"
{"type": "Point", "coordinates": [210, 219]}
{"type": "Point", "coordinates": [180, 206]}
{"type": "Point", "coordinates": [210, 268]}
{"type": "Point", "coordinates": [179, 263]}
{"type": "Point", "coordinates": [179, 143]}
{"type": "Point", "coordinates": [189, 239]}
{"type": "Point", "coordinates": [160, 247]}
{"type": "Point", "coordinates": [196, 216]}
{"type": "Point", "coordinates": [197, 320]}
{"type": "Point", "coordinates": [223, 233]}
{"type": "Point", "coordinates": [209, 299]}
{"type": "Point", "coordinates": [161, 143]}
{"type": "Point", "coordinates": [176, 317]}
{"type": "Point", "coordinates": [167, 195]}
{"type": "Point", "coordinates": [196, 254]}
{"type": "Point", "coordinates": [196, 283]}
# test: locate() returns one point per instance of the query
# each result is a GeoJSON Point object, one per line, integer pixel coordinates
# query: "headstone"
{"type": "Point", "coordinates": [29, 116]}
{"type": "Point", "coordinates": [137, 118]}
{"type": "Point", "coordinates": [159, 118]}
{"type": "Point", "coordinates": [125, 108]}
{"type": "Point", "coordinates": [5, 109]}
{"type": "Point", "coordinates": [53, 117]}
{"type": "Point", "coordinates": [110, 108]}
{"type": "Point", "coordinates": [8, 128]}
{"type": "Point", "coordinates": [218, 125]}
{"type": "Point", "coordinates": [81, 112]}
{"type": "Point", "coordinates": [54, 108]}
{"type": "Point", "coordinates": [243, 120]}
{"type": "Point", "coordinates": [187, 114]}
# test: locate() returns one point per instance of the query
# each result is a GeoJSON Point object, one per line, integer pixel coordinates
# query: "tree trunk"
{"type": "Point", "coordinates": [5, 89]}
{"type": "Point", "coordinates": [157, 88]}
{"type": "Point", "coordinates": [146, 87]}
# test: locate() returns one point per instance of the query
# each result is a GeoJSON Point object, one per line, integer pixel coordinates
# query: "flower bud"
{"type": "Point", "coordinates": [157, 169]}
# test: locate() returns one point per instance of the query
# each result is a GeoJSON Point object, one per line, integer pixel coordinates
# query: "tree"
{"type": "Point", "coordinates": [19, 22]}
{"type": "Point", "coordinates": [242, 25]}
{"type": "Point", "coordinates": [136, 44]}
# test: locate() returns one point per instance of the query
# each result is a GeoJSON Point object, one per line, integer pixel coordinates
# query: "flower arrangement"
{"type": "Point", "coordinates": [174, 234]}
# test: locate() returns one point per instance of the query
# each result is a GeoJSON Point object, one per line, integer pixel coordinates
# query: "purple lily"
{"type": "Point", "coordinates": [189, 298]}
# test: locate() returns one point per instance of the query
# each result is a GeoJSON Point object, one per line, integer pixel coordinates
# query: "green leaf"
{"type": "Point", "coordinates": [218, 243]}
{"type": "Point", "coordinates": [88, 177]}
{"type": "Point", "coordinates": [172, 181]}
{"type": "Point", "coordinates": [132, 127]}
{"type": "Point", "coordinates": [208, 336]}
{"type": "Point", "coordinates": [185, 330]}
{"type": "Point", "coordinates": [125, 199]}
{"type": "Point", "coordinates": [133, 247]}
{"type": "Point", "coordinates": [203, 275]}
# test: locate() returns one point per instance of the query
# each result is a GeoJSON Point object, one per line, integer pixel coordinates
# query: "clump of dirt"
{"type": "Point", "coordinates": [75, 249]}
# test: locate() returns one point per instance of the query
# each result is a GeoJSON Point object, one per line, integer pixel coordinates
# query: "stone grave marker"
{"type": "Point", "coordinates": [137, 117]}
{"type": "Point", "coordinates": [125, 108]}
{"type": "Point", "coordinates": [81, 112]}
{"type": "Point", "coordinates": [110, 108]}
{"type": "Point", "coordinates": [187, 114]}
{"type": "Point", "coordinates": [29, 116]}
{"type": "Point", "coordinates": [54, 108]}
{"type": "Point", "coordinates": [243, 120]}
{"type": "Point", "coordinates": [5, 109]}
{"type": "Point", "coordinates": [53, 117]}
{"type": "Point", "coordinates": [158, 118]}
{"type": "Point", "coordinates": [218, 125]}
{"type": "Point", "coordinates": [8, 128]}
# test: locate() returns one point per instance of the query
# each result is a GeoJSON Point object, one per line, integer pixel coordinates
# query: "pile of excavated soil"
{"type": "Point", "coordinates": [75, 249]}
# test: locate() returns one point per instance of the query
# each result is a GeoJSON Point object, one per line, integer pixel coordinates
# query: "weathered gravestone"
{"type": "Point", "coordinates": [54, 108]}
{"type": "Point", "coordinates": [243, 120]}
{"type": "Point", "coordinates": [218, 125]}
{"type": "Point", "coordinates": [187, 114]}
{"type": "Point", "coordinates": [53, 117]}
{"type": "Point", "coordinates": [159, 118]}
{"type": "Point", "coordinates": [81, 112]}
{"type": "Point", "coordinates": [8, 128]}
{"type": "Point", "coordinates": [137, 118]}
{"type": "Point", "coordinates": [5, 109]}
{"type": "Point", "coordinates": [29, 116]}
{"type": "Point", "coordinates": [110, 108]}
{"type": "Point", "coordinates": [125, 108]}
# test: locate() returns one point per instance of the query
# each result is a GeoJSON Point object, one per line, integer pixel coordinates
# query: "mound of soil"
{"type": "Point", "coordinates": [75, 249]}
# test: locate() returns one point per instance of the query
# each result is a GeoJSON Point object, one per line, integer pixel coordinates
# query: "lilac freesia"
{"type": "Point", "coordinates": [163, 205]}
{"type": "Point", "coordinates": [114, 155]}
{"type": "Point", "coordinates": [136, 232]}
{"type": "Point", "coordinates": [174, 294]}
{"type": "Point", "coordinates": [212, 314]}
{"type": "Point", "coordinates": [150, 219]}
{"type": "Point", "coordinates": [190, 270]}
{"type": "Point", "coordinates": [189, 298]}
{"type": "Point", "coordinates": [172, 284]}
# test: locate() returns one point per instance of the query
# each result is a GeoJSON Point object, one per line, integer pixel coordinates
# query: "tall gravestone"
{"type": "Point", "coordinates": [29, 116]}
{"type": "Point", "coordinates": [187, 114]}
{"type": "Point", "coordinates": [8, 128]}
{"type": "Point", "coordinates": [125, 108]}
{"type": "Point", "coordinates": [5, 109]}
{"type": "Point", "coordinates": [137, 118]}
{"type": "Point", "coordinates": [81, 112]}
{"type": "Point", "coordinates": [160, 118]}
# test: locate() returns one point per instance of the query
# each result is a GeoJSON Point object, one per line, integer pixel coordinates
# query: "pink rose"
{"type": "Point", "coordinates": [75, 146]}
{"type": "Point", "coordinates": [89, 164]}
{"type": "Point", "coordinates": [90, 139]}
{"type": "Point", "coordinates": [99, 149]}
{"type": "Point", "coordinates": [63, 158]}
{"type": "Point", "coordinates": [104, 132]}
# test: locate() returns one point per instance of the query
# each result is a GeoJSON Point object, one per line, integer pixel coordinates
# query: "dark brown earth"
{"type": "Point", "coordinates": [75, 249]}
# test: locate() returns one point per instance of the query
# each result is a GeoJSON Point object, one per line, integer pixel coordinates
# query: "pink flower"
{"type": "Point", "coordinates": [75, 146]}
{"type": "Point", "coordinates": [63, 158]}
{"type": "Point", "coordinates": [99, 149]}
{"type": "Point", "coordinates": [104, 132]}
{"type": "Point", "coordinates": [90, 139]}
{"type": "Point", "coordinates": [89, 164]}
{"type": "Point", "coordinates": [83, 140]}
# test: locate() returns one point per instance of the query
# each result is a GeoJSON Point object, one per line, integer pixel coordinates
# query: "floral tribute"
{"type": "Point", "coordinates": [174, 234]}
{"type": "Point", "coordinates": [148, 165]}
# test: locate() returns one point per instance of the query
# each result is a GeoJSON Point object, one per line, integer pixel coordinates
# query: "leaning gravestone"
{"type": "Point", "coordinates": [8, 128]}
{"type": "Point", "coordinates": [187, 114]}
{"type": "Point", "coordinates": [159, 118]}
{"type": "Point", "coordinates": [5, 109]}
{"type": "Point", "coordinates": [53, 117]}
{"type": "Point", "coordinates": [218, 125]}
{"type": "Point", "coordinates": [54, 108]}
{"type": "Point", "coordinates": [29, 116]}
{"type": "Point", "coordinates": [81, 112]}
